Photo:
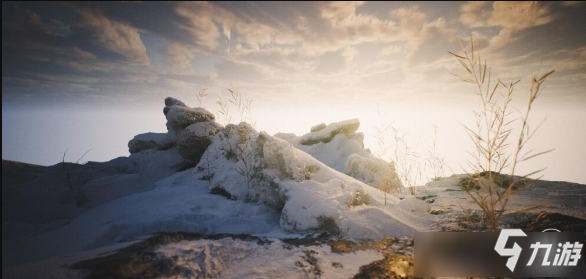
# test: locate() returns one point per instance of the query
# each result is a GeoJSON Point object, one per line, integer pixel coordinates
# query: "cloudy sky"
{"type": "Point", "coordinates": [92, 75]}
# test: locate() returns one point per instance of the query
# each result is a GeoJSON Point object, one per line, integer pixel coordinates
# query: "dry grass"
{"type": "Point", "coordinates": [201, 94]}
{"type": "Point", "coordinates": [492, 137]}
{"type": "Point", "coordinates": [413, 163]}
{"type": "Point", "coordinates": [75, 189]}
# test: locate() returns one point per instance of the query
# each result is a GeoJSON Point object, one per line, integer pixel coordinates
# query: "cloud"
{"type": "Point", "coordinates": [212, 26]}
{"type": "Point", "coordinates": [343, 26]}
{"type": "Point", "coordinates": [512, 15]}
{"type": "Point", "coordinates": [511, 19]}
{"type": "Point", "coordinates": [431, 42]}
{"type": "Point", "coordinates": [335, 61]}
{"type": "Point", "coordinates": [200, 15]}
{"type": "Point", "coordinates": [410, 18]}
{"type": "Point", "coordinates": [392, 49]}
{"type": "Point", "coordinates": [233, 71]}
{"type": "Point", "coordinates": [178, 55]}
{"type": "Point", "coordinates": [339, 11]}
{"type": "Point", "coordinates": [115, 36]}
{"type": "Point", "coordinates": [49, 27]}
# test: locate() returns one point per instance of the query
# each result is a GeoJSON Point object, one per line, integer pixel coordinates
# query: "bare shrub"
{"type": "Point", "coordinates": [492, 135]}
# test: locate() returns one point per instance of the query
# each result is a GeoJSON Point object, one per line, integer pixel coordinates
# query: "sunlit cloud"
{"type": "Point", "coordinates": [331, 46]}
{"type": "Point", "coordinates": [179, 55]}
{"type": "Point", "coordinates": [117, 37]}
{"type": "Point", "coordinates": [514, 15]}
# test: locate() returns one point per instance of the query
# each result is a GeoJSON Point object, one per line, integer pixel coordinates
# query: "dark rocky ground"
{"type": "Point", "coordinates": [140, 260]}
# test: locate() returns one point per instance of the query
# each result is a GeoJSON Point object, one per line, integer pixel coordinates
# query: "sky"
{"type": "Point", "coordinates": [90, 76]}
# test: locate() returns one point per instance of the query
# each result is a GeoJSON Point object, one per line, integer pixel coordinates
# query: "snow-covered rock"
{"type": "Point", "coordinates": [179, 117]}
{"type": "Point", "coordinates": [340, 147]}
{"type": "Point", "coordinates": [189, 131]}
{"type": "Point", "coordinates": [147, 141]}
{"type": "Point", "coordinates": [170, 101]}
{"type": "Point", "coordinates": [373, 171]}
{"type": "Point", "coordinates": [193, 141]}
{"type": "Point", "coordinates": [244, 164]}
{"type": "Point", "coordinates": [318, 127]}
{"type": "Point", "coordinates": [326, 134]}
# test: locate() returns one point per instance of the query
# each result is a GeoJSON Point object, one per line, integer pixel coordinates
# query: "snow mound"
{"type": "Point", "coordinates": [373, 171]}
{"type": "Point", "coordinates": [252, 166]}
{"type": "Point", "coordinates": [200, 177]}
{"type": "Point", "coordinates": [340, 147]}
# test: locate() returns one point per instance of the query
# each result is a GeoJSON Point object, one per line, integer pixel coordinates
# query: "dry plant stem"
{"type": "Point", "coordinates": [410, 164]}
{"type": "Point", "coordinates": [224, 110]}
{"type": "Point", "coordinates": [436, 162]}
{"type": "Point", "coordinates": [201, 94]}
{"type": "Point", "coordinates": [67, 173]}
{"type": "Point", "coordinates": [246, 155]}
{"type": "Point", "coordinates": [493, 129]}
{"type": "Point", "coordinates": [77, 195]}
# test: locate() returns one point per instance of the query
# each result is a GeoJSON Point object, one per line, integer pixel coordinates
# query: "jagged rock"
{"type": "Point", "coordinates": [146, 141]}
{"type": "Point", "coordinates": [318, 127]}
{"type": "Point", "coordinates": [179, 117]}
{"type": "Point", "coordinates": [169, 102]}
{"type": "Point", "coordinates": [328, 133]}
{"type": "Point", "coordinates": [194, 140]}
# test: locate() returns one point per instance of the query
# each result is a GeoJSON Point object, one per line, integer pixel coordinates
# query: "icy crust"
{"type": "Point", "coordinates": [244, 164]}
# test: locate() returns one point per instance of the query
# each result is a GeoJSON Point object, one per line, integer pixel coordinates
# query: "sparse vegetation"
{"type": "Point", "coordinates": [359, 198]}
{"type": "Point", "coordinates": [307, 171]}
{"type": "Point", "coordinates": [201, 94]}
{"type": "Point", "coordinates": [327, 224]}
{"type": "Point", "coordinates": [386, 185]}
{"type": "Point", "coordinates": [410, 164]}
{"type": "Point", "coordinates": [246, 153]}
{"type": "Point", "coordinates": [243, 106]}
{"type": "Point", "coordinates": [434, 161]}
{"type": "Point", "coordinates": [74, 186]}
{"type": "Point", "coordinates": [486, 186]}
